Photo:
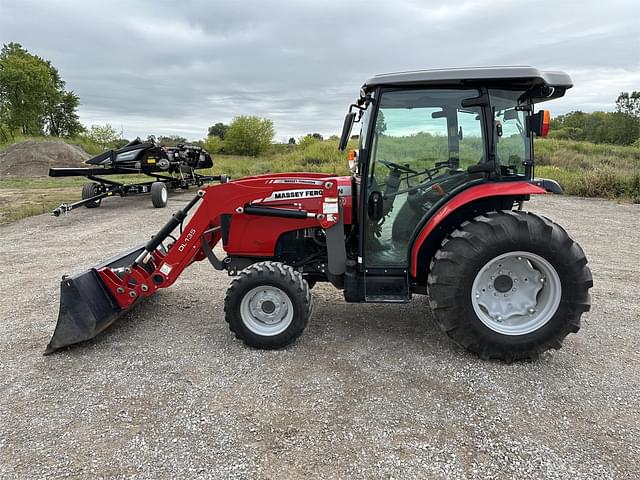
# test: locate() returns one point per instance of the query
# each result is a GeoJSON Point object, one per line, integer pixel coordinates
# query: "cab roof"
{"type": "Point", "coordinates": [515, 77]}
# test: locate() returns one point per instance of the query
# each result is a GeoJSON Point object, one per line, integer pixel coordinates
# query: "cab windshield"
{"type": "Point", "coordinates": [513, 144]}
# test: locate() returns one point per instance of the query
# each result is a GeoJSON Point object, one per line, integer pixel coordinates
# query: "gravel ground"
{"type": "Point", "coordinates": [368, 391]}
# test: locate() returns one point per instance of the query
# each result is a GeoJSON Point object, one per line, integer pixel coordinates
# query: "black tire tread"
{"type": "Point", "coordinates": [263, 273]}
{"type": "Point", "coordinates": [156, 194]}
{"type": "Point", "coordinates": [89, 190]}
{"type": "Point", "coordinates": [448, 266]}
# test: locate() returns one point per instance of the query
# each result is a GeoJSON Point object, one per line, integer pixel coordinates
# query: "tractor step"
{"type": "Point", "coordinates": [388, 288]}
{"type": "Point", "coordinates": [388, 299]}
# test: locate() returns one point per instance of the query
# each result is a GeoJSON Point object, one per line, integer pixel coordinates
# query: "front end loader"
{"type": "Point", "coordinates": [434, 206]}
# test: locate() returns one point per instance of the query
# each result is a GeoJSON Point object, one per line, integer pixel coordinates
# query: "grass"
{"type": "Point", "coordinates": [582, 168]}
{"type": "Point", "coordinates": [313, 157]}
{"type": "Point", "coordinates": [590, 170]}
{"type": "Point", "coordinates": [25, 197]}
{"type": "Point", "coordinates": [16, 204]}
{"type": "Point", "coordinates": [92, 148]}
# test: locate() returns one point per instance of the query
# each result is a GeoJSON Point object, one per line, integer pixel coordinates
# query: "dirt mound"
{"type": "Point", "coordinates": [33, 158]}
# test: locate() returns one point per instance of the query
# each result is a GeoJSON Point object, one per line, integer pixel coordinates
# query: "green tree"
{"type": "Point", "coordinates": [629, 103]}
{"type": "Point", "coordinates": [618, 128]}
{"type": "Point", "coordinates": [32, 96]}
{"type": "Point", "coordinates": [213, 144]}
{"type": "Point", "coordinates": [63, 120]}
{"type": "Point", "coordinates": [292, 141]}
{"type": "Point", "coordinates": [621, 128]}
{"type": "Point", "coordinates": [26, 88]}
{"type": "Point", "coordinates": [104, 135]}
{"type": "Point", "coordinates": [171, 140]}
{"type": "Point", "coordinates": [307, 141]}
{"type": "Point", "coordinates": [248, 135]}
{"type": "Point", "coordinates": [219, 130]}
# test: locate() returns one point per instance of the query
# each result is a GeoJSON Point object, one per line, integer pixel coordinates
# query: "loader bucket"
{"type": "Point", "coordinates": [86, 306]}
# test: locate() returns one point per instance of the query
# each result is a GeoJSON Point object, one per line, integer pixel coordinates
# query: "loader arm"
{"type": "Point", "coordinates": [90, 302]}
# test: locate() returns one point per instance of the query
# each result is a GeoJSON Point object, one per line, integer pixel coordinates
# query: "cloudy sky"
{"type": "Point", "coordinates": [167, 67]}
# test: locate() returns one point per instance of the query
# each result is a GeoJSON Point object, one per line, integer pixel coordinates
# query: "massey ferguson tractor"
{"type": "Point", "coordinates": [434, 206]}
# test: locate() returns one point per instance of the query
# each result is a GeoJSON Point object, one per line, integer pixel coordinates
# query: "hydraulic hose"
{"type": "Point", "coordinates": [175, 220]}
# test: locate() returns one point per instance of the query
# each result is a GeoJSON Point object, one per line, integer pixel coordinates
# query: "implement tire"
{"type": "Point", "coordinates": [159, 194]}
{"type": "Point", "coordinates": [509, 285]}
{"type": "Point", "coordinates": [91, 190]}
{"type": "Point", "coordinates": [268, 305]}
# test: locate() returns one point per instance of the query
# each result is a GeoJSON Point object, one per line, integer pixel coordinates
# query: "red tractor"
{"type": "Point", "coordinates": [433, 207]}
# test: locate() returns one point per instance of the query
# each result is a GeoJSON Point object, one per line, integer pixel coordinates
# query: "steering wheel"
{"type": "Point", "coordinates": [397, 166]}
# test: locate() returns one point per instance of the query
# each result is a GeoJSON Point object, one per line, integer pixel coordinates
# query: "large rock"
{"type": "Point", "coordinates": [33, 158]}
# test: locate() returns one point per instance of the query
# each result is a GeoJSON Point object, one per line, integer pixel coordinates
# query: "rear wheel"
{"type": "Point", "coordinates": [268, 305]}
{"type": "Point", "coordinates": [509, 285]}
{"type": "Point", "coordinates": [91, 190]}
{"type": "Point", "coordinates": [159, 194]}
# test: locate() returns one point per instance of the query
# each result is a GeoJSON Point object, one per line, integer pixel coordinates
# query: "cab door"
{"type": "Point", "coordinates": [421, 145]}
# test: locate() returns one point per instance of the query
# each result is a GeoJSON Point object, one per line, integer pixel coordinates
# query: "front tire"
{"type": "Point", "coordinates": [268, 305]}
{"type": "Point", "coordinates": [509, 285]}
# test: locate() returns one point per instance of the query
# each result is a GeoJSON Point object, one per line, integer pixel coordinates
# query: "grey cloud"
{"type": "Point", "coordinates": [167, 67]}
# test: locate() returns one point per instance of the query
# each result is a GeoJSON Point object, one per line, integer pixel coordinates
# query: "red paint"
{"type": "Point", "coordinates": [467, 196]}
{"type": "Point", "coordinates": [249, 235]}
{"type": "Point", "coordinates": [257, 236]}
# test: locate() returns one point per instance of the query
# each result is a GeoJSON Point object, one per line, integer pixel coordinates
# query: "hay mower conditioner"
{"type": "Point", "coordinates": [434, 206]}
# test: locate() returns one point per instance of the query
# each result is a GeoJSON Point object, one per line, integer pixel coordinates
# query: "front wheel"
{"type": "Point", "coordinates": [268, 305]}
{"type": "Point", "coordinates": [509, 285]}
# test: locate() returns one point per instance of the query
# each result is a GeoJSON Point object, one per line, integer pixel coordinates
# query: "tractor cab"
{"type": "Point", "coordinates": [428, 135]}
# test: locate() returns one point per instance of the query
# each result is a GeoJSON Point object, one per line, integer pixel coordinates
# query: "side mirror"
{"type": "Point", "coordinates": [346, 130]}
{"type": "Point", "coordinates": [539, 123]}
{"type": "Point", "coordinates": [375, 206]}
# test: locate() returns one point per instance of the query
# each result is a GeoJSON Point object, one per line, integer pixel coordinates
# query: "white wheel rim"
{"type": "Point", "coordinates": [516, 293]}
{"type": "Point", "coordinates": [164, 195]}
{"type": "Point", "coordinates": [266, 310]}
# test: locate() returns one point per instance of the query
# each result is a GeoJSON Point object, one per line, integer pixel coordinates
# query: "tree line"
{"type": "Point", "coordinates": [33, 99]}
{"type": "Point", "coordinates": [621, 127]}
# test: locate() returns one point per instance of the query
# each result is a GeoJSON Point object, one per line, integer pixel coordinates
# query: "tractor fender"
{"type": "Point", "coordinates": [470, 195]}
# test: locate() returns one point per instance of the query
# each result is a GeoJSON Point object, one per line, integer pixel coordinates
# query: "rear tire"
{"type": "Point", "coordinates": [91, 190]}
{"type": "Point", "coordinates": [268, 305]}
{"type": "Point", "coordinates": [509, 285]}
{"type": "Point", "coordinates": [159, 194]}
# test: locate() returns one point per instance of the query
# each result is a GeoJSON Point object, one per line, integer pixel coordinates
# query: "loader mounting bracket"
{"type": "Point", "coordinates": [208, 251]}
